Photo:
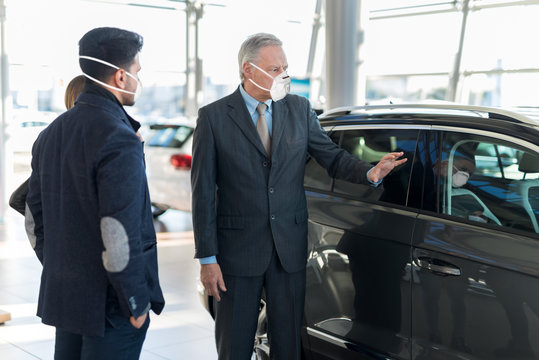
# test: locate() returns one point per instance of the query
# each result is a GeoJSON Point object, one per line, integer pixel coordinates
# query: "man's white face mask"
{"type": "Point", "coordinates": [137, 92]}
{"type": "Point", "coordinates": [280, 86]}
{"type": "Point", "coordinates": [460, 177]}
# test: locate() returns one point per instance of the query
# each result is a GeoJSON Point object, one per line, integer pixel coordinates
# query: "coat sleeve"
{"type": "Point", "coordinates": [339, 163]}
{"type": "Point", "coordinates": [17, 199]}
{"type": "Point", "coordinates": [120, 178]}
{"type": "Point", "coordinates": [33, 214]}
{"type": "Point", "coordinates": [203, 185]}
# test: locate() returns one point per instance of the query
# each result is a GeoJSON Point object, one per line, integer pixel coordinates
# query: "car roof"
{"type": "Point", "coordinates": [496, 120]}
{"type": "Point", "coordinates": [524, 116]}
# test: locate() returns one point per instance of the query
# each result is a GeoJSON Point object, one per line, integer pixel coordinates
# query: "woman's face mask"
{"type": "Point", "coordinates": [136, 93]}
{"type": "Point", "coordinates": [280, 86]}
{"type": "Point", "coordinates": [460, 177]}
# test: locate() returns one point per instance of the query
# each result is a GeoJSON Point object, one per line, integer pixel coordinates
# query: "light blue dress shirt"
{"type": "Point", "coordinates": [252, 104]}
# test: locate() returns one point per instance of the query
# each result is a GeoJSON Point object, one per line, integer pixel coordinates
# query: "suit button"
{"type": "Point", "coordinates": [272, 217]}
{"type": "Point", "coordinates": [265, 164]}
{"type": "Point", "coordinates": [271, 190]}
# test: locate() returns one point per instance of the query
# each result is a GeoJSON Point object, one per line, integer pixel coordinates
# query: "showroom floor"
{"type": "Point", "coordinates": [183, 331]}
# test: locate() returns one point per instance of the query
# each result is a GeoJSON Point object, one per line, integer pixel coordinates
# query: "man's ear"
{"type": "Point", "coordinates": [120, 78]}
{"type": "Point", "coordinates": [443, 168]}
{"type": "Point", "coordinates": [247, 69]}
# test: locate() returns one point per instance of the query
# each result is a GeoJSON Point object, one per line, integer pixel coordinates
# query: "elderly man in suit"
{"type": "Point", "coordinates": [249, 206]}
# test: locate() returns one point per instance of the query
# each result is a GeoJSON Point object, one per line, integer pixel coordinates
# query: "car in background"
{"type": "Point", "coordinates": [423, 267]}
{"type": "Point", "coordinates": [24, 128]}
{"type": "Point", "coordinates": [168, 155]}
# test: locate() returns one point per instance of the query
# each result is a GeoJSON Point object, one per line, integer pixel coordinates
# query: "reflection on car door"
{"type": "Point", "coordinates": [358, 274]}
{"type": "Point", "coordinates": [475, 293]}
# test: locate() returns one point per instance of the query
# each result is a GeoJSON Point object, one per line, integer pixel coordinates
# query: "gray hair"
{"type": "Point", "coordinates": [250, 49]}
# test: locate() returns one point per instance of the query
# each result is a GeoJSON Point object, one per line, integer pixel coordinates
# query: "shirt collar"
{"type": "Point", "coordinates": [252, 103]}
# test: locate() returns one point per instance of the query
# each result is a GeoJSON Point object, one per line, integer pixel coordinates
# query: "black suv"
{"type": "Point", "coordinates": [439, 262]}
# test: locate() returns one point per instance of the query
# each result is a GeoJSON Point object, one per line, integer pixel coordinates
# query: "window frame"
{"type": "Point", "coordinates": [496, 138]}
{"type": "Point", "coordinates": [341, 129]}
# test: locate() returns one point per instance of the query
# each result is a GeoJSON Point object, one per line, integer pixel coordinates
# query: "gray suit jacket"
{"type": "Point", "coordinates": [245, 202]}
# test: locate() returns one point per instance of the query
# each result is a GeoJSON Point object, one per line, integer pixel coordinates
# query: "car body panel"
{"type": "Point", "coordinates": [473, 315]}
{"type": "Point", "coordinates": [473, 288]}
{"type": "Point", "coordinates": [358, 288]}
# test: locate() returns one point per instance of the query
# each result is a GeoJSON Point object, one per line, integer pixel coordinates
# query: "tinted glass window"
{"type": "Point", "coordinates": [315, 175]}
{"type": "Point", "coordinates": [489, 181]}
{"type": "Point", "coordinates": [371, 146]}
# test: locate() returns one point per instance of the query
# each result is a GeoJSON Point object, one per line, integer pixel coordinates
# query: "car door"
{"type": "Point", "coordinates": [358, 274]}
{"type": "Point", "coordinates": [475, 289]}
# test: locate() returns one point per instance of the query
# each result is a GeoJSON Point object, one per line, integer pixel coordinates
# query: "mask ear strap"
{"type": "Point", "coordinates": [107, 85]}
{"type": "Point", "coordinates": [261, 70]}
{"type": "Point", "coordinates": [99, 61]}
{"type": "Point", "coordinates": [260, 87]}
{"type": "Point", "coordinates": [112, 66]}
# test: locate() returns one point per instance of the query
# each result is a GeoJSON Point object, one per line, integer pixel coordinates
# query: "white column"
{"type": "Point", "coordinates": [451, 94]}
{"type": "Point", "coordinates": [342, 44]}
{"type": "Point", "coordinates": [193, 64]}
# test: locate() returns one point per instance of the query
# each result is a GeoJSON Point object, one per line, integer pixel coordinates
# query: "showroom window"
{"type": "Point", "coordinates": [371, 146]}
{"type": "Point", "coordinates": [489, 181]}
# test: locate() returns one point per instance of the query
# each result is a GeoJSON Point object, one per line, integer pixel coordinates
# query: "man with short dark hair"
{"type": "Point", "coordinates": [249, 205]}
{"type": "Point", "coordinates": [88, 213]}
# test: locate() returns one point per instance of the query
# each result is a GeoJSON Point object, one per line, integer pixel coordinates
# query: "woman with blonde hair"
{"type": "Point", "coordinates": [73, 89]}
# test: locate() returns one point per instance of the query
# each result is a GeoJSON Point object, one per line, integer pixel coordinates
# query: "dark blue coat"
{"type": "Point", "coordinates": [88, 217]}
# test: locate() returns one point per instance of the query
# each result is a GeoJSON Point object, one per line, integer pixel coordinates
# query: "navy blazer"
{"type": "Point", "coordinates": [246, 202]}
{"type": "Point", "coordinates": [88, 217]}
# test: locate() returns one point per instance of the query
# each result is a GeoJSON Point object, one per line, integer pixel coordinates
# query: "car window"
{"type": "Point", "coordinates": [371, 145]}
{"type": "Point", "coordinates": [169, 136]}
{"type": "Point", "coordinates": [316, 176]}
{"type": "Point", "coordinates": [490, 181]}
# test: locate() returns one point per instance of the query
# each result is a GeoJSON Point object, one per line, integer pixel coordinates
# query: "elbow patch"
{"type": "Point", "coordinates": [30, 226]}
{"type": "Point", "coordinates": [116, 254]}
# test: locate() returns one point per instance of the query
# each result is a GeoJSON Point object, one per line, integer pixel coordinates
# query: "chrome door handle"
{"type": "Point", "coordinates": [446, 268]}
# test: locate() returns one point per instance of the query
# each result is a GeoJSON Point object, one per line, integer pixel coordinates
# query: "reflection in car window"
{"type": "Point", "coordinates": [490, 181]}
{"type": "Point", "coordinates": [317, 176]}
{"type": "Point", "coordinates": [371, 146]}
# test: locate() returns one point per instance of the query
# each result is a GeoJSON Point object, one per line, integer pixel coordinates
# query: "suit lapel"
{"type": "Point", "coordinates": [279, 116]}
{"type": "Point", "coordinates": [239, 114]}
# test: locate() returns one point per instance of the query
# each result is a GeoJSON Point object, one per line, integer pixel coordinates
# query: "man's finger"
{"type": "Point", "coordinates": [221, 284]}
{"type": "Point", "coordinates": [215, 293]}
{"type": "Point", "coordinates": [399, 162]}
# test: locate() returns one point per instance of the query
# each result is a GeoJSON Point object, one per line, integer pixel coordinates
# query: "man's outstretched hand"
{"type": "Point", "coordinates": [385, 165]}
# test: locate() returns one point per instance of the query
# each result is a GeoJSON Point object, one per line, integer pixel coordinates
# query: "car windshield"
{"type": "Point", "coordinates": [173, 136]}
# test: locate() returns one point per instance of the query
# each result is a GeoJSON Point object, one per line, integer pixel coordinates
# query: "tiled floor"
{"type": "Point", "coordinates": [183, 331]}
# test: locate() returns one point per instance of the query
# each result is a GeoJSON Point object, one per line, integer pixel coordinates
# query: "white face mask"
{"type": "Point", "coordinates": [137, 92]}
{"type": "Point", "coordinates": [280, 86]}
{"type": "Point", "coordinates": [460, 177]}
